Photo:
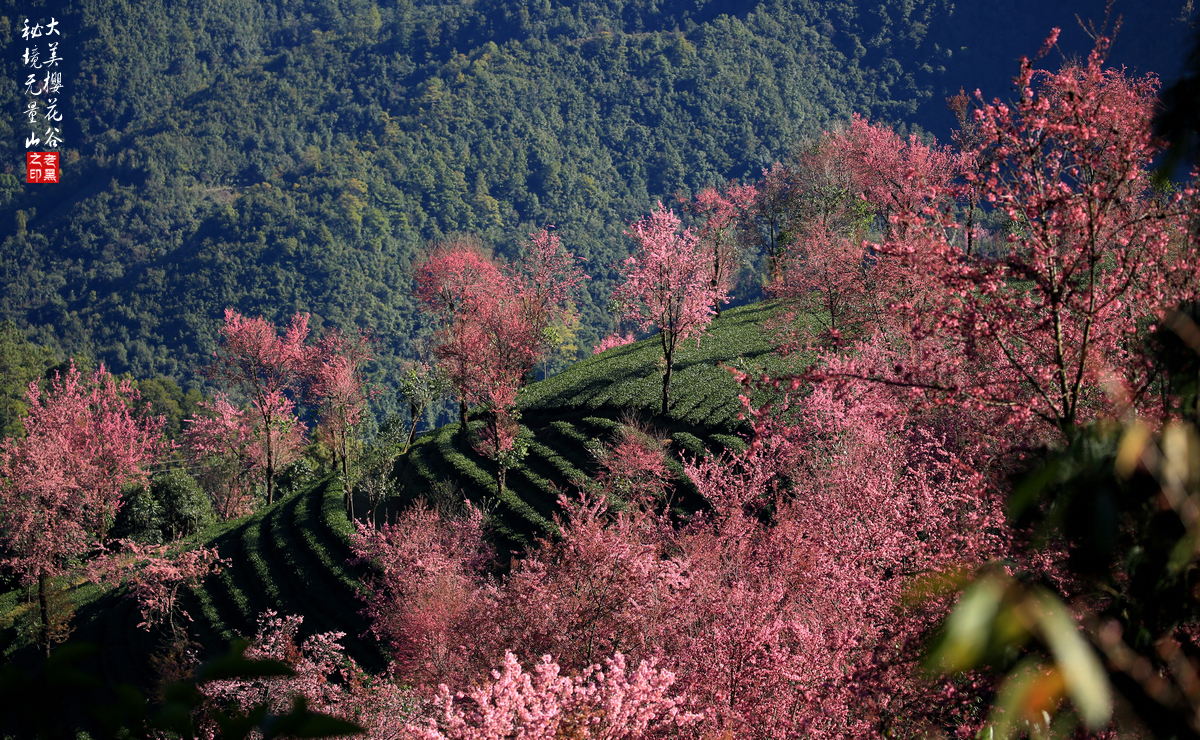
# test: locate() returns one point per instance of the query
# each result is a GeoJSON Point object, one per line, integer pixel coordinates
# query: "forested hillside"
{"type": "Point", "coordinates": [276, 156]}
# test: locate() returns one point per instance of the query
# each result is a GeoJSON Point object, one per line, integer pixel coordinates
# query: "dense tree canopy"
{"type": "Point", "coordinates": [277, 158]}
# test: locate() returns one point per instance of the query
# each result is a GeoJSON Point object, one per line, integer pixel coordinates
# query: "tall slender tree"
{"type": "Point", "coordinates": [341, 390]}
{"type": "Point", "coordinates": [218, 445]}
{"type": "Point", "coordinates": [717, 213]}
{"type": "Point", "coordinates": [667, 286]}
{"type": "Point", "coordinates": [422, 385]}
{"type": "Point", "coordinates": [544, 277]}
{"type": "Point", "coordinates": [264, 367]}
{"type": "Point", "coordinates": [450, 283]}
{"type": "Point", "coordinates": [769, 222]}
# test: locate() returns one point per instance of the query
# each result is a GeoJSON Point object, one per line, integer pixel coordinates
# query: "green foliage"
{"type": "Point", "coordinates": [689, 443]}
{"type": "Point", "coordinates": [173, 506]}
{"type": "Point", "coordinates": [275, 157]}
{"type": "Point", "coordinates": [21, 362]}
{"type": "Point", "coordinates": [300, 475]}
{"type": "Point", "coordinates": [162, 396]}
{"type": "Point", "coordinates": [996, 613]}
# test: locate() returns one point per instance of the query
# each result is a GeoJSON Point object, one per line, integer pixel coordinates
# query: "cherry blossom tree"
{"type": "Point", "coordinates": [717, 214]}
{"type": "Point", "coordinates": [820, 273]}
{"type": "Point", "coordinates": [601, 587]}
{"type": "Point", "coordinates": [62, 482]}
{"type": "Point", "coordinates": [454, 283]}
{"type": "Point", "coordinates": [428, 601]}
{"type": "Point", "coordinates": [342, 393]}
{"type": "Point", "coordinates": [788, 621]}
{"type": "Point", "coordinates": [505, 348]}
{"type": "Point", "coordinates": [824, 283]}
{"type": "Point", "coordinates": [493, 351]}
{"type": "Point", "coordinates": [545, 276]}
{"type": "Point", "coordinates": [219, 448]}
{"type": "Point", "coordinates": [895, 176]}
{"type": "Point", "coordinates": [1039, 331]}
{"type": "Point", "coordinates": [264, 367]}
{"type": "Point", "coordinates": [613, 340]}
{"type": "Point", "coordinates": [492, 323]}
{"type": "Point", "coordinates": [634, 465]}
{"type": "Point", "coordinates": [155, 577]}
{"type": "Point", "coordinates": [234, 450]}
{"type": "Point", "coordinates": [666, 286]}
{"type": "Point", "coordinates": [608, 702]}
{"type": "Point", "coordinates": [826, 191]}
{"type": "Point", "coordinates": [323, 676]}
{"type": "Point", "coordinates": [501, 439]}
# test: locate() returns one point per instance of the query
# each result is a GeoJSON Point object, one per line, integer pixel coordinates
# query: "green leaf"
{"type": "Point", "coordinates": [1084, 676]}
{"type": "Point", "coordinates": [969, 627]}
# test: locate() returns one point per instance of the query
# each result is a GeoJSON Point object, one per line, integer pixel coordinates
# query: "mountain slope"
{"type": "Point", "coordinates": [582, 409]}
{"type": "Point", "coordinates": [275, 157]}
{"type": "Point", "coordinates": [292, 557]}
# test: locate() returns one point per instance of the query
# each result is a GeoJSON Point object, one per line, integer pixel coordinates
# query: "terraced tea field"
{"type": "Point", "coordinates": [292, 557]}
{"type": "Point", "coordinates": [583, 407]}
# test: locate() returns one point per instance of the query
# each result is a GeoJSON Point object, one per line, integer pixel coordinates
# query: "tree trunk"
{"type": "Point", "coordinates": [666, 397]}
{"type": "Point", "coordinates": [462, 416]}
{"type": "Point", "coordinates": [270, 476]}
{"type": "Point", "coordinates": [716, 275]}
{"type": "Point", "coordinates": [669, 358]}
{"type": "Point", "coordinates": [412, 432]}
{"type": "Point", "coordinates": [44, 607]}
{"type": "Point", "coordinates": [501, 475]}
{"type": "Point", "coordinates": [171, 616]}
{"type": "Point", "coordinates": [345, 455]}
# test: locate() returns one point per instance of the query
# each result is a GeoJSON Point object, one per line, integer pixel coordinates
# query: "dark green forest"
{"type": "Point", "coordinates": [277, 156]}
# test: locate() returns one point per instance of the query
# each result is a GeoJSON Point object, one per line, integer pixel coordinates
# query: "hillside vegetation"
{"type": "Point", "coordinates": [279, 157]}
{"type": "Point", "coordinates": [293, 557]}
{"type": "Point", "coordinates": [948, 507]}
{"type": "Point", "coordinates": [581, 409]}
